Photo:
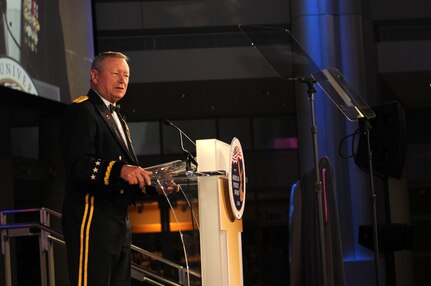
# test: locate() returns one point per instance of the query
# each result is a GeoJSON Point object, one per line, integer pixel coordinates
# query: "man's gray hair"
{"type": "Point", "coordinates": [97, 61]}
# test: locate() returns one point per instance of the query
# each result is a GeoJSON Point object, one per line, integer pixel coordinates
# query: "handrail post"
{"type": "Point", "coordinates": [5, 245]}
{"type": "Point", "coordinates": [50, 250]}
{"type": "Point", "coordinates": [49, 245]}
{"type": "Point", "coordinates": [181, 276]}
{"type": "Point", "coordinates": [43, 241]}
{"type": "Point", "coordinates": [51, 265]}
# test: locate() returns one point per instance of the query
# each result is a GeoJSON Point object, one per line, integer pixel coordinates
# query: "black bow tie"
{"type": "Point", "coordinates": [113, 108]}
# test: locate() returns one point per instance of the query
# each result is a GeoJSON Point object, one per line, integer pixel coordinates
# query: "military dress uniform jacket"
{"type": "Point", "coordinates": [94, 151]}
{"type": "Point", "coordinates": [95, 220]}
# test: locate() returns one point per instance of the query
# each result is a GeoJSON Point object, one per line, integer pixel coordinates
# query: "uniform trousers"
{"type": "Point", "coordinates": [98, 239]}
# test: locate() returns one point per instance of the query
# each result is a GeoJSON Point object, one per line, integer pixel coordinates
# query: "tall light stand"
{"type": "Point", "coordinates": [364, 127]}
{"type": "Point", "coordinates": [311, 90]}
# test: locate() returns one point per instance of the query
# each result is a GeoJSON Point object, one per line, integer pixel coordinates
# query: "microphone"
{"type": "Point", "coordinates": [190, 157]}
{"type": "Point", "coordinates": [3, 7]}
{"type": "Point", "coordinates": [169, 123]}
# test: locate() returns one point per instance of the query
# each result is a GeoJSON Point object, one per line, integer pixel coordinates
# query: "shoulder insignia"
{"type": "Point", "coordinates": [80, 99]}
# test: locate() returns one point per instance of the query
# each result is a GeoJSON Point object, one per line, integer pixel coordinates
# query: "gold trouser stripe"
{"type": "Point", "coordinates": [83, 259]}
{"type": "Point", "coordinates": [87, 239]}
{"type": "Point", "coordinates": [81, 240]}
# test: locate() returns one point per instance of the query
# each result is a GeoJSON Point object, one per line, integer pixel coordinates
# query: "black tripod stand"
{"type": "Point", "coordinates": [311, 90]}
{"type": "Point", "coordinates": [364, 128]}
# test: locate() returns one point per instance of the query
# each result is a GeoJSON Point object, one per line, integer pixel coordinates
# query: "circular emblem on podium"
{"type": "Point", "coordinates": [236, 179]}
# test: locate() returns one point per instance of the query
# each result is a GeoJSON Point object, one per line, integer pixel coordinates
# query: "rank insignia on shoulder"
{"type": "Point", "coordinates": [80, 99]}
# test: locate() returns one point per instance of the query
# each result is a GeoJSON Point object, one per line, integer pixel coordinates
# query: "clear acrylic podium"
{"type": "Point", "coordinates": [203, 230]}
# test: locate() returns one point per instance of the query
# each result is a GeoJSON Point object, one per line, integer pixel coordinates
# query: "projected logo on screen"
{"type": "Point", "coordinates": [13, 75]}
{"type": "Point", "coordinates": [31, 24]}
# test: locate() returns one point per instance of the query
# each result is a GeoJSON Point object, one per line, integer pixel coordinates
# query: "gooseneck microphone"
{"type": "Point", "coordinates": [3, 7]}
{"type": "Point", "coordinates": [190, 157]}
{"type": "Point", "coordinates": [169, 123]}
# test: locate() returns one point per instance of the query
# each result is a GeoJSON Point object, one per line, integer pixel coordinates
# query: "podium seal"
{"type": "Point", "coordinates": [237, 180]}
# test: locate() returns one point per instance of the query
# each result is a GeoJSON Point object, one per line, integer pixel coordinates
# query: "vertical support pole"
{"type": "Point", "coordinates": [51, 266]}
{"type": "Point", "coordinates": [5, 245]}
{"type": "Point", "coordinates": [365, 126]}
{"type": "Point", "coordinates": [318, 183]}
{"type": "Point", "coordinates": [42, 250]}
{"type": "Point", "coordinates": [50, 248]}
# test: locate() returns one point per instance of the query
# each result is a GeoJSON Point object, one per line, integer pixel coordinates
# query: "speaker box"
{"type": "Point", "coordinates": [387, 141]}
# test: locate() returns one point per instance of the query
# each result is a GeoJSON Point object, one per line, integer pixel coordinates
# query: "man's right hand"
{"type": "Point", "coordinates": [135, 175]}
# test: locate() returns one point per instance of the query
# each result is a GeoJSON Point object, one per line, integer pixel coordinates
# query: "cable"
{"type": "Point", "coordinates": [353, 154]}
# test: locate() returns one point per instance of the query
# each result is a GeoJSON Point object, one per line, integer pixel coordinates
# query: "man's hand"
{"type": "Point", "coordinates": [168, 186]}
{"type": "Point", "coordinates": [135, 175]}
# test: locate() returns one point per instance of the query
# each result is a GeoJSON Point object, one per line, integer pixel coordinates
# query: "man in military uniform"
{"type": "Point", "coordinates": [102, 177]}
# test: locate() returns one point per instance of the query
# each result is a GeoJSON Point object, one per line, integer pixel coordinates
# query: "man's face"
{"type": "Point", "coordinates": [112, 79]}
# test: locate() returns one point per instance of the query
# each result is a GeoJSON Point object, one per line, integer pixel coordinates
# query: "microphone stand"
{"type": "Point", "coordinates": [189, 159]}
{"type": "Point", "coordinates": [364, 127]}
{"type": "Point", "coordinates": [318, 183]}
{"type": "Point", "coordinates": [3, 26]}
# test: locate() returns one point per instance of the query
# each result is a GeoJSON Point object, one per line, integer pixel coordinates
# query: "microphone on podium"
{"type": "Point", "coordinates": [190, 157]}
{"type": "Point", "coordinates": [3, 10]}
{"type": "Point", "coordinates": [3, 7]}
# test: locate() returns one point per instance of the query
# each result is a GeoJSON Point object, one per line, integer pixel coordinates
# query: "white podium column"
{"type": "Point", "coordinates": [220, 231]}
{"type": "Point", "coordinates": [220, 236]}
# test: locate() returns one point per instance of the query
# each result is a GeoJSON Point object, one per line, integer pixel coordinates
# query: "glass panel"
{"type": "Point", "coordinates": [290, 61]}
{"type": "Point", "coordinates": [342, 94]}
{"type": "Point", "coordinates": [281, 50]}
{"type": "Point", "coordinates": [166, 232]}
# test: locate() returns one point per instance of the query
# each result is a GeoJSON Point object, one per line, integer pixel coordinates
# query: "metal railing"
{"type": "Point", "coordinates": [141, 274]}
{"type": "Point", "coordinates": [49, 235]}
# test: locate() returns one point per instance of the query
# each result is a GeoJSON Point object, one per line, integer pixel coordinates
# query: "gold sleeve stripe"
{"type": "Point", "coordinates": [81, 240]}
{"type": "Point", "coordinates": [108, 172]}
